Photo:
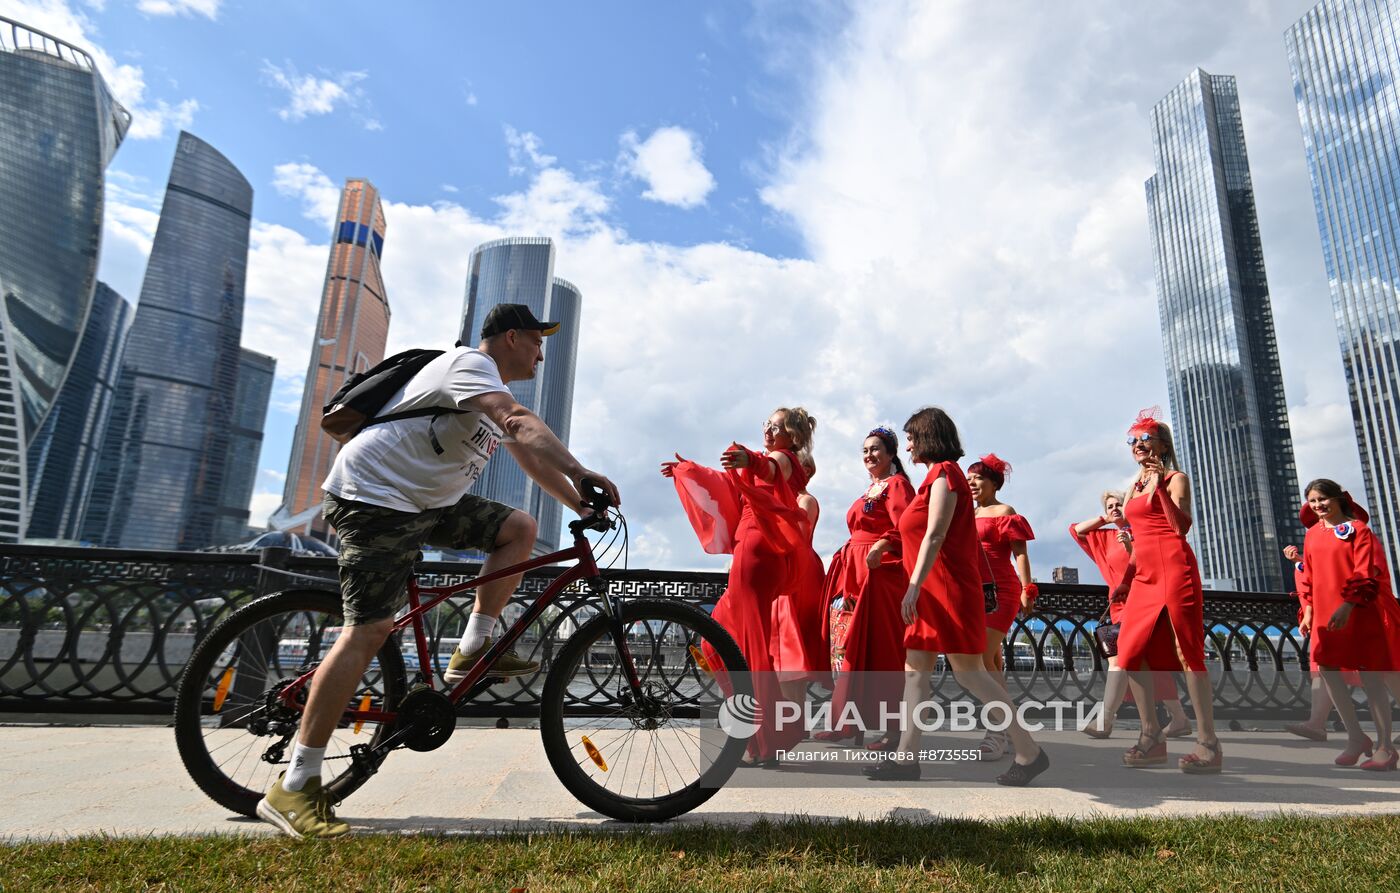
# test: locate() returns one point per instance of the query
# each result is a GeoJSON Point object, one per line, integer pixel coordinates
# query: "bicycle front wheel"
{"type": "Point", "coordinates": [234, 734]}
{"type": "Point", "coordinates": [651, 758]}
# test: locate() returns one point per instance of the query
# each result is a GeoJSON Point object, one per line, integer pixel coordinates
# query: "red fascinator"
{"type": "Point", "coordinates": [992, 466]}
{"type": "Point", "coordinates": [1309, 517]}
{"type": "Point", "coordinates": [1147, 421]}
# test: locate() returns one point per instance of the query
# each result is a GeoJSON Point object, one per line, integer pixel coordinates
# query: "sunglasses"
{"type": "Point", "coordinates": [1141, 438]}
{"type": "Point", "coordinates": [772, 427]}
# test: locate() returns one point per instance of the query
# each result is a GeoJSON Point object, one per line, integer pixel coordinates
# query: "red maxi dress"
{"type": "Point", "coordinates": [761, 524]}
{"type": "Point", "coordinates": [950, 617]}
{"type": "Point", "coordinates": [1116, 567]}
{"type": "Point", "coordinates": [801, 641]}
{"type": "Point", "coordinates": [873, 666]}
{"type": "Point", "coordinates": [1347, 563]}
{"type": "Point", "coordinates": [997, 535]}
{"type": "Point", "coordinates": [1166, 594]}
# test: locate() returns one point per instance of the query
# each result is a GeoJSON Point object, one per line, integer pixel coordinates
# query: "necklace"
{"type": "Point", "coordinates": [872, 499]}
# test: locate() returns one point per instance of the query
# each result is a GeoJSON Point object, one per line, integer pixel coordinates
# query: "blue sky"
{"type": "Point", "coordinates": [861, 208]}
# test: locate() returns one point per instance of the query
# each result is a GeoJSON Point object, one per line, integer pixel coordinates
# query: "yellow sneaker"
{"type": "Point", "coordinates": [306, 813]}
{"type": "Point", "coordinates": [508, 664]}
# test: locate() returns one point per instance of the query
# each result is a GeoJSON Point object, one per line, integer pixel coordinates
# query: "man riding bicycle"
{"type": "Point", "coordinates": [401, 484]}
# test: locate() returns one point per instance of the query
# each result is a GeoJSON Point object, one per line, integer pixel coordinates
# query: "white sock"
{"type": "Point", "coordinates": [306, 764]}
{"type": "Point", "coordinates": [479, 629]}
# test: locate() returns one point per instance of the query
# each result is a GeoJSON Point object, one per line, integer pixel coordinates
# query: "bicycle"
{"type": "Point", "coordinates": [239, 702]}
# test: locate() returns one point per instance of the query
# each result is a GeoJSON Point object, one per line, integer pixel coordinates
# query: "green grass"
{"type": "Point", "coordinates": [1353, 854]}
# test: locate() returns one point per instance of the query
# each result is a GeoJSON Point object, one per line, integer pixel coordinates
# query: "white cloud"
{"type": "Point", "coordinates": [207, 8]}
{"type": "Point", "coordinates": [669, 163]}
{"type": "Point", "coordinates": [523, 148]}
{"type": "Point", "coordinates": [149, 119]}
{"type": "Point", "coordinates": [319, 196]}
{"type": "Point", "coordinates": [311, 95]}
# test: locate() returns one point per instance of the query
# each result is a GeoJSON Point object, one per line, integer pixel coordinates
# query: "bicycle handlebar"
{"type": "Point", "coordinates": [595, 498]}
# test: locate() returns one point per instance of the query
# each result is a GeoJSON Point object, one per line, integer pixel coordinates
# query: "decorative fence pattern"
{"type": "Point", "coordinates": [108, 632]}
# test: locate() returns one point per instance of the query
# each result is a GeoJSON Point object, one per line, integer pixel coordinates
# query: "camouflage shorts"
{"type": "Point", "coordinates": [379, 545]}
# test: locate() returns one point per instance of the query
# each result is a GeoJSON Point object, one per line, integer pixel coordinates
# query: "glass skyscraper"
{"type": "Point", "coordinates": [59, 128]}
{"type": "Point", "coordinates": [255, 374]}
{"type": "Point", "coordinates": [164, 457]}
{"type": "Point", "coordinates": [63, 456]}
{"type": "Point", "coordinates": [351, 332]}
{"type": "Point", "coordinates": [1345, 57]}
{"type": "Point", "coordinates": [521, 271]}
{"type": "Point", "coordinates": [1223, 377]}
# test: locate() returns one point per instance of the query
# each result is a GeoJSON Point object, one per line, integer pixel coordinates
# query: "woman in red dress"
{"type": "Point", "coordinates": [1352, 613]}
{"type": "Point", "coordinates": [869, 571]}
{"type": "Point", "coordinates": [943, 603]}
{"type": "Point", "coordinates": [1163, 623]}
{"type": "Point", "coordinates": [800, 649]}
{"type": "Point", "coordinates": [1108, 542]}
{"type": "Point", "coordinates": [1003, 534]}
{"type": "Point", "coordinates": [770, 527]}
{"type": "Point", "coordinates": [1314, 728]}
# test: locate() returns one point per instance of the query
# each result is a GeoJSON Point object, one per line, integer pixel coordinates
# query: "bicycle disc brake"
{"type": "Point", "coordinates": [427, 718]}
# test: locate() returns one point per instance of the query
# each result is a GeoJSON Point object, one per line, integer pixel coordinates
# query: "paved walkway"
{"type": "Point", "coordinates": [128, 780]}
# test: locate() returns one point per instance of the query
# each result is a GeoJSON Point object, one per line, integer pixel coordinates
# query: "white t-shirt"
{"type": "Point", "coordinates": [394, 464]}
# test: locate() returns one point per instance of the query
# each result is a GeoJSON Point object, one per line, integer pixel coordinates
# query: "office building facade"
{"type": "Point", "coordinates": [351, 331]}
{"type": "Point", "coordinates": [61, 127]}
{"type": "Point", "coordinates": [161, 474]}
{"type": "Point", "coordinates": [1224, 381]}
{"type": "Point", "coordinates": [256, 372]}
{"type": "Point", "coordinates": [63, 456]}
{"type": "Point", "coordinates": [1345, 57]}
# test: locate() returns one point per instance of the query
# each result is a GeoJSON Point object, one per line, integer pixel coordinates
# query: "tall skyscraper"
{"type": "Point", "coordinates": [1345, 56]}
{"type": "Point", "coordinates": [521, 271]}
{"type": "Point", "coordinates": [351, 331]}
{"type": "Point", "coordinates": [255, 374]}
{"type": "Point", "coordinates": [164, 457]}
{"type": "Point", "coordinates": [1223, 378]}
{"type": "Point", "coordinates": [63, 456]}
{"type": "Point", "coordinates": [60, 129]}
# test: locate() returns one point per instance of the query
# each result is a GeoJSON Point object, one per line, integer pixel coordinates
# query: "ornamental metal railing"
{"type": "Point", "coordinates": [101, 631]}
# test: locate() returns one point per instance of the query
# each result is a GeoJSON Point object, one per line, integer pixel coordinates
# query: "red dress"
{"type": "Point", "coordinates": [950, 617]}
{"type": "Point", "coordinates": [801, 646]}
{"type": "Point", "coordinates": [1335, 562]}
{"type": "Point", "coordinates": [997, 536]}
{"type": "Point", "coordinates": [1167, 582]}
{"type": "Point", "coordinates": [873, 668]}
{"type": "Point", "coordinates": [769, 529]}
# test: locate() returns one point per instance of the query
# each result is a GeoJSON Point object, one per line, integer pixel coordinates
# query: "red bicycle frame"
{"type": "Point", "coordinates": [586, 569]}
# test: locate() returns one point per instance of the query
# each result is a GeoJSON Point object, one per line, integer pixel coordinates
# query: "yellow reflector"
{"type": "Point", "coordinates": [593, 754]}
{"type": "Point", "coordinates": [222, 691]}
{"type": "Point", "coordinates": [364, 705]}
{"type": "Point", "coordinates": [700, 660]}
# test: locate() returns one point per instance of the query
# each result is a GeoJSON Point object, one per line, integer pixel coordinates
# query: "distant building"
{"type": "Point", "coordinates": [351, 331]}
{"type": "Point", "coordinates": [255, 374]}
{"type": "Point", "coordinates": [521, 271]}
{"type": "Point", "coordinates": [1227, 403]}
{"type": "Point", "coordinates": [161, 473]}
{"type": "Point", "coordinates": [1064, 575]}
{"type": "Point", "coordinates": [60, 129]}
{"type": "Point", "coordinates": [63, 457]}
{"type": "Point", "coordinates": [1345, 56]}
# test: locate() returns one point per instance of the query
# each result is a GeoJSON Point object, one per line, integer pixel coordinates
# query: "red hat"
{"type": "Point", "coordinates": [992, 466]}
{"type": "Point", "coordinates": [1308, 517]}
{"type": "Point", "coordinates": [1147, 421]}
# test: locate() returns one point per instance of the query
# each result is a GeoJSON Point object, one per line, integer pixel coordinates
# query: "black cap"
{"type": "Point", "coordinates": [504, 317]}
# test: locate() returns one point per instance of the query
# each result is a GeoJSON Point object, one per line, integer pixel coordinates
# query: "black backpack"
{"type": "Point", "coordinates": [353, 408]}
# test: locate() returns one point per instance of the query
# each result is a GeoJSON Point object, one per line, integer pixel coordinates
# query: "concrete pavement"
{"type": "Point", "coordinates": [128, 780]}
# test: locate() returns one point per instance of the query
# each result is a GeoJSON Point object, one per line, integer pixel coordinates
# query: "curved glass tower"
{"type": "Point", "coordinates": [557, 397]}
{"type": "Point", "coordinates": [59, 128]}
{"type": "Point", "coordinates": [63, 457]}
{"type": "Point", "coordinates": [256, 372]}
{"type": "Point", "coordinates": [164, 457]}
{"type": "Point", "coordinates": [1223, 375]}
{"type": "Point", "coordinates": [1345, 56]}
{"type": "Point", "coordinates": [351, 331]}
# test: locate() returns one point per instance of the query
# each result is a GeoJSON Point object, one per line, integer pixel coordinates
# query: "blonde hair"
{"type": "Point", "coordinates": [799, 424]}
{"type": "Point", "coordinates": [1116, 494]}
{"type": "Point", "coordinates": [1164, 434]}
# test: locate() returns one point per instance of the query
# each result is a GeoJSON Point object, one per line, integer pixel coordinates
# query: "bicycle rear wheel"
{"type": "Point", "coordinates": [654, 760]}
{"type": "Point", "coordinates": [233, 733]}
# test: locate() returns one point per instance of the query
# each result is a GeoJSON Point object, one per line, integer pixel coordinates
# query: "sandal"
{"type": "Point", "coordinates": [1183, 731]}
{"type": "Point", "coordinates": [1194, 765]}
{"type": "Point", "coordinates": [993, 747]}
{"type": "Point", "coordinates": [1349, 757]}
{"type": "Point", "coordinates": [1376, 764]}
{"type": "Point", "coordinates": [1096, 732]}
{"type": "Point", "coordinates": [1155, 754]}
{"type": "Point", "coordinates": [1303, 730]}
